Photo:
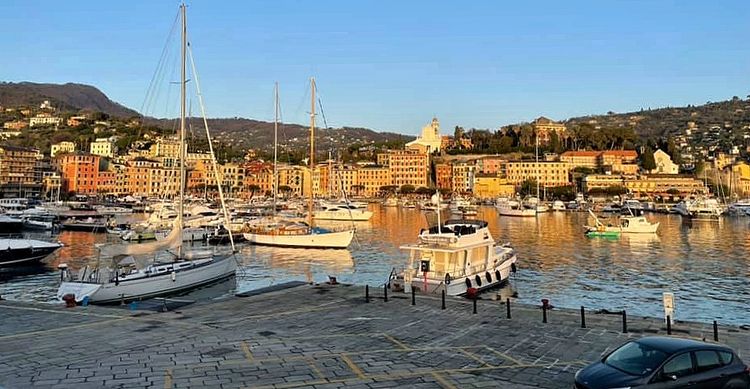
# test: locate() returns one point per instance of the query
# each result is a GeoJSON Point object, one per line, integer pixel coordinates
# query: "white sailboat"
{"type": "Point", "coordinates": [124, 280]}
{"type": "Point", "coordinates": [291, 233]}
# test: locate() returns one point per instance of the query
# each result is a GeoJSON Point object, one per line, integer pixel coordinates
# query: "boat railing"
{"type": "Point", "coordinates": [438, 239]}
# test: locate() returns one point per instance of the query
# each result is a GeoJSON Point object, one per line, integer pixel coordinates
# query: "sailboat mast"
{"type": "Point", "coordinates": [183, 93]}
{"type": "Point", "coordinates": [312, 148]}
{"type": "Point", "coordinates": [275, 144]}
{"type": "Point", "coordinates": [537, 166]}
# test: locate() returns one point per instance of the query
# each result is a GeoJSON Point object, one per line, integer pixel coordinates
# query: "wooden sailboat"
{"type": "Point", "coordinates": [292, 233]}
{"type": "Point", "coordinates": [124, 280]}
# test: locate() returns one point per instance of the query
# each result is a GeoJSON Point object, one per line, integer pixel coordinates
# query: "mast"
{"type": "Point", "coordinates": [312, 149]}
{"type": "Point", "coordinates": [183, 93]}
{"type": "Point", "coordinates": [275, 143]}
{"type": "Point", "coordinates": [537, 168]}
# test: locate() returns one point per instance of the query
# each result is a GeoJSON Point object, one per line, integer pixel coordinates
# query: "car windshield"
{"type": "Point", "coordinates": [636, 359]}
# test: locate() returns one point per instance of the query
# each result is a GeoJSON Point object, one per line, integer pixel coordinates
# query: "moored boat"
{"type": "Point", "coordinates": [20, 252]}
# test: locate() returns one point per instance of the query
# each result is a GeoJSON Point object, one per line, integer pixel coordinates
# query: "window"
{"type": "Point", "coordinates": [726, 357]}
{"type": "Point", "coordinates": [707, 360]}
{"type": "Point", "coordinates": [636, 358]}
{"type": "Point", "coordinates": [679, 366]}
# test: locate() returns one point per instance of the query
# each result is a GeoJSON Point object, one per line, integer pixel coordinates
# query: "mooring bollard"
{"type": "Point", "coordinates": [669, 325]}
{"type": "Point", "coordinates": [385, 293]}
{"type": "Point", "coordinates": [624, 322]}
{"type": "Point", "coordinates": [413, 297]}
{"type": "Point", "coordinates": [507, 307]}
{"type": "Point", "coordinates": [367, 293]}
{"type": "Point", "coordinates": [475, 305]}
{"type": "Point", "coordinates": [583, 317]}
{"type": "Point", "coordinates": [716, 331]}
{"type": "Point", "coordinates": [443, 298]}
{"type": "Point", "coordinates": [545, 303]}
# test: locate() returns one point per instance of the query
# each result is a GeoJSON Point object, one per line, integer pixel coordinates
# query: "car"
{"type": "Point", "coordinates": [664, 363]}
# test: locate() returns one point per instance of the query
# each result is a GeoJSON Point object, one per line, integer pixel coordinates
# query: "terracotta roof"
{"type": "Point", "coordinates": [580, 154]}
{"type": "Point", "coordinates": [621, 153]}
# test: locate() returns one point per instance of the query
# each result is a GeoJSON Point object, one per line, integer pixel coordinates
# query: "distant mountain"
{"type": "Point", "coordinates": [248, 133]}
{"type": "Point", "coordinates": [731, 114]}
{"type": "Point", "coordinates": [65, 97]}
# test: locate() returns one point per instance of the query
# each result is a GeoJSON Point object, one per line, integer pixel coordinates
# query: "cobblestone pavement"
{"type": "Point", "coordinates": [314, 337]}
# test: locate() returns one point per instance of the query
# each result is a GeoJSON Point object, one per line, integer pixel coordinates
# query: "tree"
{"type": "Point", "coordinates": [389, 188]}
{"type": "Point", "coordinates": [422, 190]}
{"type": "Point", "coordinates": [458, 134]}
{"type": "Point", "coordinates": [647, 159]}
{"type": "Point", "coordinates": [407, 189]}
{"type": "Point", "coordinates": [528, 187]}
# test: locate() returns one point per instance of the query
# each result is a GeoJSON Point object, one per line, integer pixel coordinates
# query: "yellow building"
{"type": "Point", "coordinates": [104, 147]}
{"type": "Point", "coordinates": [429, 141]}
{"type": "Point", "coordinates": [548, 174]}
{"type": "Point", "coordinates": [489, 186]}
{"type": "Point", "coordinates": [17, 174]}
{"type": "Point", "coordinates": [647, 186]}
{"type": "Point", "coordinates": [587, 159]}
{"type": "Point", "coordinates": [372, 178]}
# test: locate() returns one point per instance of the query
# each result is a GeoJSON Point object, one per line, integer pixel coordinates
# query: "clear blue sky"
{"type": "Point", "coordinates": [392, 65]}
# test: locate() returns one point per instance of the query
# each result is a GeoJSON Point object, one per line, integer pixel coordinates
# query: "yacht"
{"type": "Point", "coordinates": [391, 202]}
{"type": "Point", "coordinates": [342, 212]}
{"type": "Point", "coordinates": [632, 207]}
{"type": "Point", "coordinates": [699, 209]}
{"type": "Point", "coordinates": [558, 205]}
{"type": "Point", "coordinates": [459, 257]}
{"type": "Point", "coordinates": [515, 208]}
{"type": "Point", "coordinates": [20, 252]}
{"type": "Point", "coordinates": [90, 224]}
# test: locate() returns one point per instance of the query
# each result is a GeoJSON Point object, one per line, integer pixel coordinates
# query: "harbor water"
{"type": "Point", "coordinates": [705, 264]}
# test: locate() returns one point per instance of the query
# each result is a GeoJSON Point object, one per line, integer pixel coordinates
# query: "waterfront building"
{"type": "Point", "coordinates": [647, 186]}
{"type": "Point", "coordinates": [429, 141]}
{"type": "Point", "coordinates": [51, 183]}
{"type": "Point", "coordinates": [444, 176]}
{"type": "Point", "coordinates": [585, 159]}
{"type": "Point", "coordinates": [165, 147]}
{"type": "Point", "coordinates": [664, 164]}
{"type": "Point", "coordinates": [490, 186]}
{"type": "Point", "coordinates": [372, 178]}
{"type": "Point", "coordinates": [490, 165]}
{"type": "Point", "coordinates": [44, 119]}
{"type": "Point", "coordinates": [549, 174]}
{"type": "Point", "coordinates": [104, 147]}
{"type": "Point", "coordinates": [738, 178]}
{"type": "Point", "coordinates": [61, 148]}
{"type": "Point", "coordinates": [544, 127]}
{"type": "Point", "coordinates": [614, 161]}
{"type": "Point", "coordinates": [407, 167]}
{"type": "Point", "coordinates": [18, 167]}
{"type": "Point", "coordinates": [79, 172]}
{"type": "Point", "coordinates": [462, 174]}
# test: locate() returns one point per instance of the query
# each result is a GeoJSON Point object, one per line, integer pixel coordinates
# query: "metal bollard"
{"type": "Point", "coordinates": [583, 317]}
{"type": "Point", "coordinates": [443, 298]}
{"type": "Point", "coordinates": [413, 298]}
{"type": "Point", "coordinates": [544, 313]}
{"type": "Point", "coordinates": [669, 325]}
{"type": "Point", "coordinates": [507, 307]}
{"type": "Point", "coordinates": [367, 293]}
{"type": "Point", "coordinates": [624, 322]}
{"type": "Point", "coordinates": [385, 293]}
{"type": "Point", "coordinates": [475, 306]}
{"type": "Point", "coordinates": [716, 331]}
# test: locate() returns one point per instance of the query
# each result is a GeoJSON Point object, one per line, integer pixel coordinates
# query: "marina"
{"type": "Point", "coordinates": [702, 263]}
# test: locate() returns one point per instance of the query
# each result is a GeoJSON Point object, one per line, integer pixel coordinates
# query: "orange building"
{"type": "Point", "coordinates": [444, 176]}
{"type": "Point", "coordinates": [79, 172]}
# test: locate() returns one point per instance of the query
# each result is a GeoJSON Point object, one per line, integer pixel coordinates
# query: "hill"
{"type": "Point", "coordinates": [64, 97]}
{"type": "Point", "coordinates": [731, 115]}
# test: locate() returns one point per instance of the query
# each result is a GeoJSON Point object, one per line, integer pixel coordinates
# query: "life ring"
{"type": "Point", "coordinates": [488, 276]}
{"type": "Point", "coordinates": [448, 278]}
{"type": "Point", "coordinates": [478, 279]}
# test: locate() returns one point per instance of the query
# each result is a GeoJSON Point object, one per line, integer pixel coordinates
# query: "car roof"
{"type": "Point", "coordinates": [672, 345]}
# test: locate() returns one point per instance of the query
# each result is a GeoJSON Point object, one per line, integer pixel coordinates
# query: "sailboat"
{"type": "Point", "coordinates": [291, 232]}
{"type": "Point", "coordinates": [124, 280]}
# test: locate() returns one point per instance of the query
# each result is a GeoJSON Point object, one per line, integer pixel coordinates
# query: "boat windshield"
{"type": "Point", "coordinates": [636, 359]}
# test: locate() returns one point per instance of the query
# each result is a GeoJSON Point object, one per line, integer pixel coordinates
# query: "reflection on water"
{"type": "Point", "coordinates": [704, 263]}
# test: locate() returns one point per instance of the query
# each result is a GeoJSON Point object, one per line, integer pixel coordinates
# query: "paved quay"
{"type": "Point", "coordinates": [321, 336]}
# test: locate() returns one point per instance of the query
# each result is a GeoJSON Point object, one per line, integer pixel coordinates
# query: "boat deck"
{"type": "Point", "coordinates": [315, 337]}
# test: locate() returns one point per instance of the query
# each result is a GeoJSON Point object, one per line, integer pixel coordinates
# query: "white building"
{"type": "Point", "coordinates": [62, 147]}
{"type": "Point", "coordinates": [430, 140]}
{"type": "Point", "coordinates": [44, 120]}
{"type": "Point", "coordinates": [664, 164]}
{"type": "Point", "coordinates": [104, 147]}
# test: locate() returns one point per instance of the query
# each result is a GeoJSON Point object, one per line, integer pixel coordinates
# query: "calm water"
{"type": "Point", "coordinates": [705, 264]}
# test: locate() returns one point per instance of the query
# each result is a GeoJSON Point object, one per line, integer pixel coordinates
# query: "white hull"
{"type": "Point", "coordinates": [333, 240]}
{"type": "Point", "coordinates": [188, 234]}
{"type": "Point", "coordinates": [458, 286]}
{"type": "Point", "coordinates": [355, 215]}
{"type": "Point", "coordinates": [159, 285]}
{"type": "Point", "coordinates": [516, 212]}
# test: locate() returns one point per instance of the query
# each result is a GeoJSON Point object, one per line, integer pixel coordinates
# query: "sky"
{"type": "Point", "coordinates": [393, 65]}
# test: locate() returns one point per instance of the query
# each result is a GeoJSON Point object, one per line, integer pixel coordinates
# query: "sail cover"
{"type": "Point", "coordinates": [173, 240]}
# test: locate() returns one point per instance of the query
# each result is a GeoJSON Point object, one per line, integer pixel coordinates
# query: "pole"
{"type": "Point", "coordinates": [385, 293]}
{"type": "Point", "coordinates": [544, 313]}
{"type": "Point", "coordinates": [367, 293]}
{"type": "Point", "coordinates": [183, 93]}
{"type": "Point", "coordinates": [716, 331]}
{"type": "Point", "coordinates": [475, 305]}
{"type": "Point", "coordinates": [443, 299]}
{"type": "Point", "coordinates": [413, 297]}
{"type": "Point", "coordinates": [312, 149]}
{"type": "Point", "coordinates": [583, 317]}
{"type": "Point", "coordinates": [669, 325]}
{"type": "Point", "coordinates": [507, 308]}
{"type": "Point", "coordinates": [275, 144]}
{"type": "Point", "coordinates": [624, 322]}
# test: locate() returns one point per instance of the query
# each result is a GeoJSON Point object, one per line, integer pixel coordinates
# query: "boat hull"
{"type": "Point", "coordinates": [15, 255]}
{"type": "Point", "coordinates": [516, 212]}
{"type": "Point", "coordinates": [343, 216]}
{"type": "Point", "coordinates": [491, 278]}
{"type": "Point", "coordinates": [333, 240]}
{"type": "Point", "coordinates": [155, 286]}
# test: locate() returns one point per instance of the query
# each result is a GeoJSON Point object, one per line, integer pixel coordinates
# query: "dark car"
{"type": "Point", "coordinates": [662, 362]}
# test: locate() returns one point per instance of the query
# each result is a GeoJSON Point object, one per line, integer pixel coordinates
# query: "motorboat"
{"type": "Point", "coordinates": [558, 205]}
{"type": "Point", "coordinates": [459, 257]}
{"type": "Point", "coordinates": [515, 208]}
{"type": "Point", "coordinates": [627, 225]}
{"type": "Point", "coordinates": [39, 223]}
{"type": "Point", "coordinates": [612, 208]}
{"type": "Point", "coordinates": [739, 208]}
{"type": "Point", "coordinates": [89, 224]}
{"type": "Point", "coordinates": [632, 207]}
{"type": "Point", "coordinates": [342, 212]}
{"type": "Point", "coordinates": [391, 202]}
{"type": "Point", "coordinates": [189, 234]}
{"type": "Point", "coordinates": [10, 225]}
{"type": "Point", "coordinates": [700, 209]}
{"type": "Point", "coordinates": [21, 252]}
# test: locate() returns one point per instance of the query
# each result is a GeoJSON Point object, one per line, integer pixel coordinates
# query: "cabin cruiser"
{"type": "Point", "coordinates": [19, 252]}
{"type": "Point", "coordinates": [740, 208]}
{"type": "Point", "coordinates": [699, 209]}
{"type": "Point", "coordinates": [459, 257]}
{"type": "Point", "coordinates": [514, 208]}
{"type": "Point", "coordinates": [558, 205]}
{"type": "Point", "coordinates": [90, 224]}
